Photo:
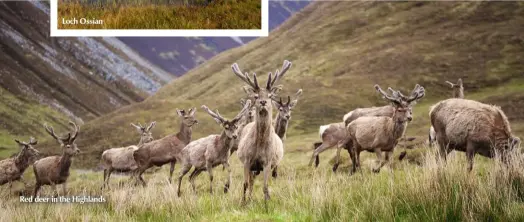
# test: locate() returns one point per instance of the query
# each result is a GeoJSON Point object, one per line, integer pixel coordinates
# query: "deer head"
{"type": "Point", "coordinates": [284, 108]}
{"type": "Point", "coordinates": [67, 143]}
{"type": "Point", "coordinates": [145, 132]}
{"type": "Point", "coordinates": [230, 126]}
{"type": "Point", "coordinates": [27, 147]}
{"type": "Point", "coordinates": [261, 96]}
{"type": "Point", "coordinates": [250, 115]}
{"type": "Point", "coordinates": [402, 104]}
{"type": "Point", "coordinates": [458, 88]}
{"type": "Point", "coordinates": [188, 118]}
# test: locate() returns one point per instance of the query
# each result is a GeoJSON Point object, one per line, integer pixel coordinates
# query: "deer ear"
{"type": "Point", "coordinates": [192, 111]}
{"type": "Point", "coordinates": [459, 82]}
{"type": "Point", "coordinates": [180, 112]}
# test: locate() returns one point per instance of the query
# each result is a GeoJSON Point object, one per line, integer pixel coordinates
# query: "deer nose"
{"type": "Point", "coordinates": [263, 102]}
{"type": "Point", "coordinates": [288, 116]}
{"type": "Point", "coordinates": [410, 118]}
{"type": "Point", "coordinates": [235, 136]}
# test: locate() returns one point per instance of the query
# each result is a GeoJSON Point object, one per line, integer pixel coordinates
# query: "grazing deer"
{"type": "Point", "coordinates": [458, 92]}
{"type": "Point", "coordinates": [381, 133]}
{"type": "Point", "coordinates": [260, 148]}
{"type": "Point", "coordinates": [472, 127]}
{"type": "Point", "coordinates": [165, 150]}
{"type": "Point", "coordinates": [54, 170]}
{"type": "Point", "coordinates": [13, 168]}
{"type": "Point", "coordinates": [211, 151]}
{"type": "Point", "coordinates": [121, 159]}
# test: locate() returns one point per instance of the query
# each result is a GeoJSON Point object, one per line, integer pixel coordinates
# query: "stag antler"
{"type": "Point", "coordinates": [246, 107]}
{"type": "Point", "coordinates": [75, 133]}
{"type": "Point", "coordinates": [151, 125]}
{"type": "Point", "coordinates": [215, 114]}
{"type": "Point", "coordinates": [393, 98]}
{"type": "Point", "coordinates": [245, 76]}
{"type": "Point", "coordinates": [278, 74]}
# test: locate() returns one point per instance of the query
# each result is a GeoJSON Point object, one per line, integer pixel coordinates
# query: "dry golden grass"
{"type": "Point", "coordinates": [218, 15]}
{"type": "Point", "coordinates": [406, 192]}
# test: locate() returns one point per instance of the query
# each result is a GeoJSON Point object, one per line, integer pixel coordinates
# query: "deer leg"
{"type": "Point", "coordinates": [141, 178]}
{"type": "Point", "coordinates": [388, 158]}
{"type": "Point", "coordinates": [209, 168]}
{"type": "Point", "coordinates": [470, 154]}
{"type": "Point", "coordinates": [379, 161]}
{"type": "Point", "coordinates": [53, 186]}
{"type": "Point", "coordinates": [171, 170]}
{"type": "Point", "coordinates": [37, 188]}
{"type": "Point", "coordinates": [192, 178]}
{"type": "Point", "coordinates": [337, 159]}
{"type": "Point", "coordinates": [183, 172]}
{"type": "Point", "coordinates": [226, 186]}
{"type": "Point", "coordinates": [274, 174]}
{"type": "Point", "coordinates": [319, 150]}
{"type": "Point", "coordinates": [64, 188]}
{"type": "Point", "coordinates": [106, 182]}
{"type": "Point", "coordinates": [247, 175]}
{"type": "Point", "coordinates": [267, 170]}
{"type": "Point", "coordinates": [317, 159]}
{"type": "Point", "coordinates": [354, 155]}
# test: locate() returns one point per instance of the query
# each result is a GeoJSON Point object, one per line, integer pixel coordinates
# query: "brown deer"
{"type": "Point", "coordinates": [381, 133]}
{"type": "Point", "coordinates": [334, 134]}
{"type": "Point", "coordinates": [472, 127]}
{"type": "Point", "coordinates": [211, 151]}
{"type": "Point", "coordinates": [12, 169]}
{"type": "Point", "coordinates": [54, 170]}
{"type": "Point", "coordinates": [165, 150]}
{"type": "Point", "coordinates": [260, 148]}
{"type": "Point", "coordinates": [121, 159]}
{"type": "Point", "coordinates": [458, 92]}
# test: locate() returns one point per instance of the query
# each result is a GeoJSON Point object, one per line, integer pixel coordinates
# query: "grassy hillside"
{"type": "Point", "coordinates": [220, 14]}
{"type": "Point", "coordinates": [339, 50]}
{"type": "Point", "coordinates": [45, 79]}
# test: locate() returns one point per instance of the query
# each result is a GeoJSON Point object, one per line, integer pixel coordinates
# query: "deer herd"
{"type": "Point", "coordinates": [456, 124]}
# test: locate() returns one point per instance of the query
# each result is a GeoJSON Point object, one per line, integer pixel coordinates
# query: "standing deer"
{"type": "Point", "coordinates": [458, 92]}
{"type": "Point", "coordinates": [165, 150]}
{"type": "Point", "coordinates": [54, 170]}
{"type": "Point", "coordinates": [381, 133]}
{"type": "Point", "coordinates": [246, 118]}
{"type": "Point", "coordinates": [211, 151]}
{"type": "Point", "coordinates": [334, 134]}
{"type": "Point", "coordinates": [121, 159]}
{"type": "Point", "coordinates": [260, 148]}
{"type": "Point", "coordinates": [13, 168]}
{"type": "Point", "coordinates": [472, 127]}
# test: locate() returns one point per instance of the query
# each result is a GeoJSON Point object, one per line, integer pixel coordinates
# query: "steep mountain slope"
{"type": "Point", "coordinates": [45, 79]}
{"type": "Point", "coordinates": [180, 54]}
{"type": "Point", "coordinates": [339, 50]}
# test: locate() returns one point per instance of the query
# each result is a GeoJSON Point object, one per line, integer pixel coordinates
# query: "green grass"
{"type": "Point", "coordinates": [25, 120]}
{"type": "Point", "coordinates": [400, 192]}
{"type": "Point", "coordinates": [221, 14]}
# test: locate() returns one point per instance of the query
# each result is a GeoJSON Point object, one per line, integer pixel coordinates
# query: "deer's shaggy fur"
{"type": "Point", "coordinates": [381, 133]}
{"type": "Point", "coordinates": [458, 92]}
{"type": "Point", "coordinates": [121, 159]}
{"type": "Point", "coordinates": [472, 127]}
{"type": "Point", "coordinates": [260, 148]}
{"type": "Point", "coordinates": [165, 150]}
{"type": "Point", "coordinates": [12, 169]}
{"type": "Point", "coordinates": [54, 170]}
{"type": "Point", "coordinates": [211, 151]}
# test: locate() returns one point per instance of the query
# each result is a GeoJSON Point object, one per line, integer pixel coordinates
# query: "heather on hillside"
{"type": "Point", "coordinates": [159, 14]}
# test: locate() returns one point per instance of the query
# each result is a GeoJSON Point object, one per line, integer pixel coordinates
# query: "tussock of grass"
{"type": "Point", "coordinates": [431, 192]}
{"type": "Point", "coordinates": [222, 14]}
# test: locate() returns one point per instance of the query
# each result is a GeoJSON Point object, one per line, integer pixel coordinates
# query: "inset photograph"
{"type": "Point", "coordinates": [159, 14]}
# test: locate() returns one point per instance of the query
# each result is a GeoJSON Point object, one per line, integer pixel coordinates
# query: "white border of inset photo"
{"type": "Point", "coordinates": [160, 32]}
